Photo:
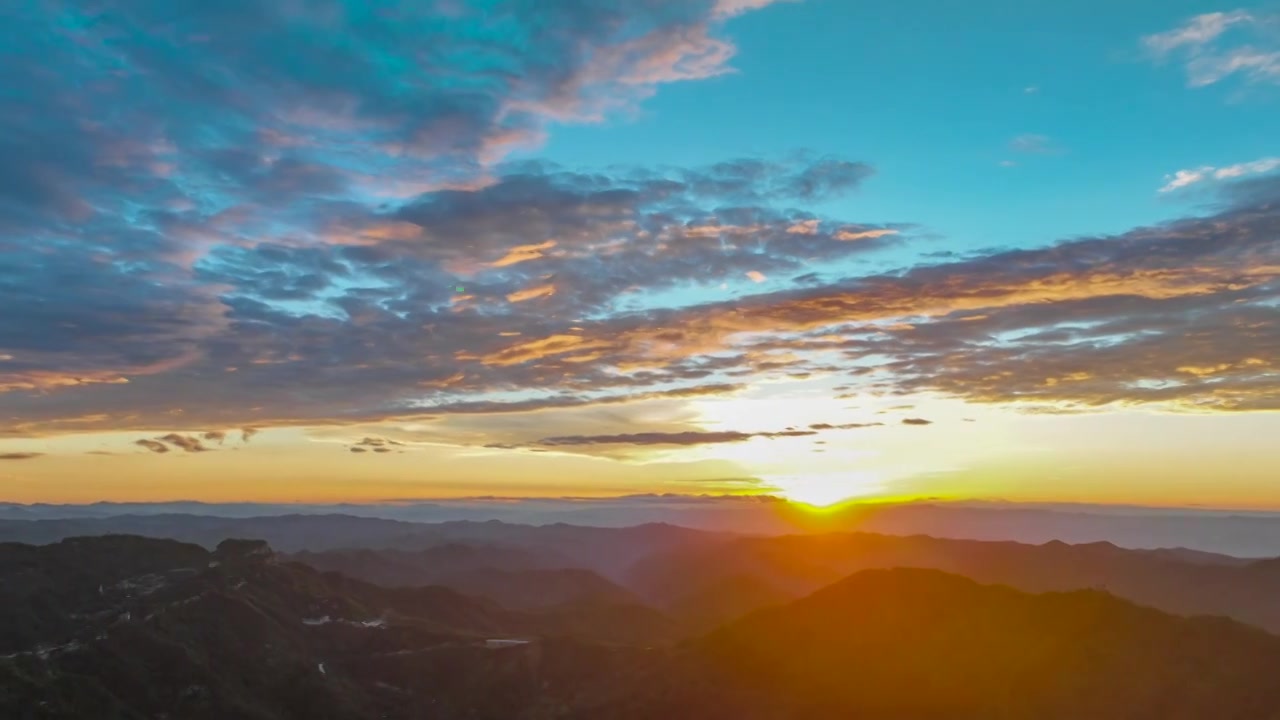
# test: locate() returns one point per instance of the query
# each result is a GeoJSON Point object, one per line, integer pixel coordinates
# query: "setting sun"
{"type": "Point", "coordinates": [822, 490]}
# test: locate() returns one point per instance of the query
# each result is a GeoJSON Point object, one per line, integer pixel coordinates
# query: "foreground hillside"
{"type": "Point", "coordinates": [916, 644]}
{"type": "Point", "coordinates": [127, 627]}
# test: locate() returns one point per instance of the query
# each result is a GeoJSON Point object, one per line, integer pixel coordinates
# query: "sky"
{"type": "Point", "coordinates": [327, 250]}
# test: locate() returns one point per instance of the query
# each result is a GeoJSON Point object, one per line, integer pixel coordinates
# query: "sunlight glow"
{"type": "Point", "coordinates": [822, 490]}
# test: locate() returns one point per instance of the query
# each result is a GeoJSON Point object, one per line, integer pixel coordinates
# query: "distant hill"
{"type": "Point", "coordinates": [608, 551]}
{"type": "Point", "coordinates": [394, 568]}
{"type": "Point", "coordinates": [1204, 531]}
{"type": "Point", "coordinates": [514, 578]}
{"type": "Point", "coordinates": [722, 599]}
{"type": "Point", "coordinates": [799, 564]}
{"type": "Point", "coordinates": [915, 644]}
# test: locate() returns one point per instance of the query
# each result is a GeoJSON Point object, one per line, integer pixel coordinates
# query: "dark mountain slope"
{"type": "Point", "coordinates": [239, 634]}
{"type": "Point", "coordinates": [915, 644]}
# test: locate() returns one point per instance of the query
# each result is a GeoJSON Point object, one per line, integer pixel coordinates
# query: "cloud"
{"type": "Point", "coordinates": [1208, 59]}
{"type": "Point", "coordinates": [256, 225]}
{"type": "Point", "coordinates": [728, 8]}
{"type": "Point", "coordinates": [376, 444]}
{"type": "Point", "coordinates": [691, 437]}
{"type": "Point", "coordinates": [349, 316]}
{"type": "Point", "coordinates": [1254, 64]}
{"type": "Point", "coordinates": [1032, 144]}
{"type": "Point", "coordinates": [1090, 321]}
{"type": "Point", "coordinates": [154, 134]}
{"type": "Point", "coordinates": [217, 436]}
{"type": "Point", "coordinates": [916, 421]}
{"type": "Point", "coordinates": [247, 434]}
{"type": "Point", "coordinates": [1086, 322]}
{"type": "Point", "coordinates": [154, 446]}
{"type": "Point", "coordinates": [188, 443]}
{"type": "Point", "coordinates": [20, 455]}
{"type": "Point", "coordinates": [1186, 178]}
{"type": "Point", "coordinates": [849, 234]}
{"type": "Point", "coordinates": [1196, 32]}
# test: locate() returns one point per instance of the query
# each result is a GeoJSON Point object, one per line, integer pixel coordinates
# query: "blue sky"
{"type": "Point", "coordinates": [934, 100]}
{"type": "Point", "coordinates": [703, 246]}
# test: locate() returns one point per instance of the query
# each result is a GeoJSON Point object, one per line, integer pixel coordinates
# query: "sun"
{"type": "Point", "coordinates": [826, 489]}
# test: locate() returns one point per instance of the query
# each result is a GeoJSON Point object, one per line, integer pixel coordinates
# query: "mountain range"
{"type": "Point", "coordinates": [383, 619]}
{"type": "Point", "coordinates": [1241, 533]}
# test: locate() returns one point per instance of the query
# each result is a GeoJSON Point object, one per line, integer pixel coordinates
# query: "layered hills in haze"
{"type": "Point", "coordinates": [383, 619]}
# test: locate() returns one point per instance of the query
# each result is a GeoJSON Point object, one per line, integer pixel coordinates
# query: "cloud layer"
{"type": "Point", "coordinates": [237, 215]}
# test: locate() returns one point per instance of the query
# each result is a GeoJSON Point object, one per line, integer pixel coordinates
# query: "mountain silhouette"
{"type": "Point", "coordinates": [913, 643]}
{"type": "Point", "coordinates": [799, 564]}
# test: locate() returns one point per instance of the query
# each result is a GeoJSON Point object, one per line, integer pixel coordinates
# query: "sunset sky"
{"type": "Point", "coordinates": [352, 250]}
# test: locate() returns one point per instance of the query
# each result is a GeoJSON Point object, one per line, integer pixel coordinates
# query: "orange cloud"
{"type": "Point", "coordinates": [537, 291]}
{"type": "Point", "coordinates": [45, 380]}
{"type": "Point", "coordinates": [523, 253]}
{"type": "Point", "coordinates": [849, 235]}
{"type": "Point", "coordinates": [804, 227]}
{"type": "Point", "coordinates": [546, 347]}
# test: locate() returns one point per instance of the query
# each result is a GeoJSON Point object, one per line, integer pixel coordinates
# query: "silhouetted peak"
{"type": "Point", "coordinates": [242, 548]}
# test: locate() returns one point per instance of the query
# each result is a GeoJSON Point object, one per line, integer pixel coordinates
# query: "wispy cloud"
{"type": "Point", "coordinates": [691, 437]}
{"type": "Point", "coordinates": [1196, 32]}
{"type": "Point", "coordinates": [729, 8]}
{"type": "Point", "coordinates": [1032, 143]}
{"type": "Point", "coordinates": [1200, 43]}
{"type": "Point", "coordinates": [1188, 177]}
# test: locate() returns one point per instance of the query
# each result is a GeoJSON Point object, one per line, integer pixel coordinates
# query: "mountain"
{"type": "Point", "coordinates": [289, 533]}
{"type": "Point", "coordinates": [1250, 534]}
{"type": "Point", "coordinates": [799, 564]}
{"type": "Point", "coordinates": [608, 551]}
{"type": "Point", "coordinates": [512, 577]}
{"type": "Point", "coordinates": [394, 568]}
{"type": "Point", "coordinates": [46, 590]}
{"type": "Point", "coordinates": [911, 644]}
{"type": "Point", "coordinates": [722, 599]}
{"type": "Point", "coordinates": [130, 627]}
{"type": "Point", "coordinates": [1204, 532]}
{"type": "Point", "coordinates": [127, 628]}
